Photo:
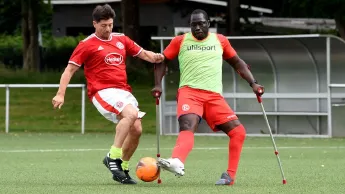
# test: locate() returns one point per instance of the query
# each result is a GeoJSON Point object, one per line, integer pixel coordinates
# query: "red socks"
{"type": "Point", "coordinates": [237, 137]}
{"type": "Point", "coordinates": [184, 144]}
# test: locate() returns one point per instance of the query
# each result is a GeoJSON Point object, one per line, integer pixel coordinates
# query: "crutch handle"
{"type": "Point", "coordinates": [258, 96]}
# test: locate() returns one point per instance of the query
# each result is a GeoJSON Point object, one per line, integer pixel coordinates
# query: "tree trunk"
{"type": "Point", "coordinates": [31, 57]}
{"type": "Point", "coordinates": [131, 26]}
{"type": "Point", "coordinates": [25, 32]}
{"type": "Point", "coordinates": [340, 24]}
{"type": "Point", "coordinates": [130, 15]}
{"type": "Point", "coordinates": [33, 25]}
{"type": "Point", "coordinates": [232, 19]}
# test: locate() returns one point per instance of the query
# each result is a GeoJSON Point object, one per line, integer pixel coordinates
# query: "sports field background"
{"type": "Point", "coordinates": [45, 152]}
{"type": "Point", "coordinates": [72, 163]}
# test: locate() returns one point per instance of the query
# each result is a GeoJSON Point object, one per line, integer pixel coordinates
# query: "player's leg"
{"type": "Point", "coordinates": [113, 161]}
{"type": "Point", "coordinates": [189, 111]}
{"type": "Point", "coordinates": [220, 116]}
{"type": "Point", "coordinates": [185, 141]}
{"type": "Point", "coordinates": [128, 116]}
{"type": "Point", "coordinates": [237, 133]}
{"type": "Point", "coordinates": [130, 145]}
{"type": "Point", "coordinates": [132, 140]}
{"type": "Point", "coordinates": [183, 146]}
{"type": "Point", "coordinates": [113, 104]}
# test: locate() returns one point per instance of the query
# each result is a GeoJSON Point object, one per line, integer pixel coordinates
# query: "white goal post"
{"type": "Point", "coordinates": [8, 86]}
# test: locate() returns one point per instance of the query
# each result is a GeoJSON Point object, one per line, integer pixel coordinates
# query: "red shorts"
{"type": "Point", "coordinates": [210, 106]}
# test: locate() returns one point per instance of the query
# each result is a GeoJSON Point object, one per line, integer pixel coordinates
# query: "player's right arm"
{"type": "Point", "coordinates": [171, 52]}
{"type": "Point", "coordinates": [76, 60]}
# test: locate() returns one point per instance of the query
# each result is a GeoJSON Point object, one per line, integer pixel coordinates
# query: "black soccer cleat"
{"type": "Point", "coordinates": [225, 179]}
{"type": "Point", "coordinates": [129, 178]}
{"type": "Point", "coordinates": [114, 166]}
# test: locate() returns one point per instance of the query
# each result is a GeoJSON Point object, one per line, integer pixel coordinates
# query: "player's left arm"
{"type": "Point", "coordinates": [241, 67]}
{"type": "Point", "coordinates": [135, 50]}
{"type": "Point", "coordinates": [151, 56]}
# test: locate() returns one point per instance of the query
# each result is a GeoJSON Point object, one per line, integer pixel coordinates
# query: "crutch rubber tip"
{"type": "Point", "coordinates": [159, 181]}
{"type": "Point", "coordinates": [284, 181]}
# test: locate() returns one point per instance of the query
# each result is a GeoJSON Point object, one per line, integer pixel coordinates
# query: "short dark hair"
{"type": "Point", "coordinates": [197, 11]}
{"type": "Point", "coordinates": [103, 12]}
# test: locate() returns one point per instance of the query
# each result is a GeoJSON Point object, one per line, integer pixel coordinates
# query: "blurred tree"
{"type": "Point", "coordinates": [31, 54]}
{"type": "Point", "coordinates": [334, 9]}
{"type": "Point", "coordinates": [9, 16]}
{"type": "Point", "coordinates": [233, 17]}
{"type": "Point", "coordinates": [130, 18]}
{"type": "Point", "coordinates": [33, 11]}
{"type": "Point", "coordinates": [130, 26]}
{"type": "Point", "coordinates": [26, 16]}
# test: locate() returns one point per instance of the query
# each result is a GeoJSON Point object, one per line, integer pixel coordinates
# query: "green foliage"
{"type": "Point", "coordinates": [11, 51]}
{"type": "Point", "coordinates": [55, 52]}
{"type": "Point", "coordinates": [10, 16]}
{"type": "Point", "coordinates": [45, 16]}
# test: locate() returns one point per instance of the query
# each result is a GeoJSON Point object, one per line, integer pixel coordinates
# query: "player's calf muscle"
{"type": "Point", "coordinates": [136, 129]}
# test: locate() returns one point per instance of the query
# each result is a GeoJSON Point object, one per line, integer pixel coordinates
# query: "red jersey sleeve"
{"type": "Point", "coordinates": [79, 54]}
{"type": "Point", "coordinates": [172, 50]}
{"type": "Point", "coordinates": [132, 48]}
{"type": "Point", "coordinates": [228, 51]}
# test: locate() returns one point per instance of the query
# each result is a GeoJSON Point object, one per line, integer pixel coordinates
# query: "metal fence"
{"type": "Point", "coordinates": [7, 106]}
{"type": "Point", "coordinates": [303, 77]}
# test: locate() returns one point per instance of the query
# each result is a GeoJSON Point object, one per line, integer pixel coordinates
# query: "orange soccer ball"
{"type": "Point", "coordinates": [147, 169]}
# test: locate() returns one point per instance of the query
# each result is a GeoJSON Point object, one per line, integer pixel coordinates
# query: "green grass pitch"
{"type": "Point", "coordinates": [45, 153]}
{"type": "Point", "coordinates": [72, 163]}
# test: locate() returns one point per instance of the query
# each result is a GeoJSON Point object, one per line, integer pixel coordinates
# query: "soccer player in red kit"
{"type": "Point", "coordinates": [104, 54]}
{"type": "Point", "coordinates": [201, 56]}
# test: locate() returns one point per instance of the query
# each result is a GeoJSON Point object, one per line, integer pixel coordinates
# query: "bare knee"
{"type": "Point", "coordinates": [136, 129]}
{"type": "Point", "coordinates": [228, 126]}
{"type": "Point", "coordinates": [130, 113]}
{"type": "Point", "coordinates": [189, 122]}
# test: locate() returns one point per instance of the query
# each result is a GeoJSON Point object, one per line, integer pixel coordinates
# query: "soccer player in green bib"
{"type": "Point", "coordinates": [200, 55]}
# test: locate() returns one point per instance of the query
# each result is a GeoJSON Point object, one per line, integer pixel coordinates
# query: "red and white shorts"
{"type": "Point", "coordinates": [111, 101]}
{"type": "Point", "coordinates": [208, 105]}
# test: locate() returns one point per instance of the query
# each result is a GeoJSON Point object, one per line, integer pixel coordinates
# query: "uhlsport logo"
{"type": "Point", "coordinates": [201, 48]}
{"type": "Point", "coordinates": [113, 59]}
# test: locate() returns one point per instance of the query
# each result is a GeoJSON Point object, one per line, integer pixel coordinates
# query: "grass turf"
{"type": "Point", "coordinates": [71, 163]}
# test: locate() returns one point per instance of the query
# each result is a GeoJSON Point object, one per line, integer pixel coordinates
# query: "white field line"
{"type": "Point", "coordinates": [196, 148]}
